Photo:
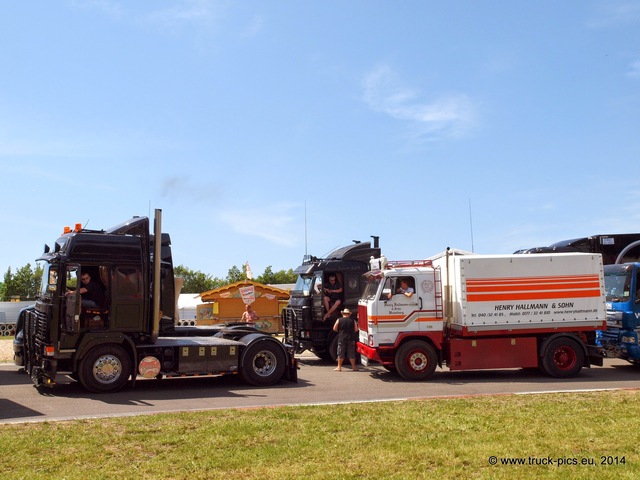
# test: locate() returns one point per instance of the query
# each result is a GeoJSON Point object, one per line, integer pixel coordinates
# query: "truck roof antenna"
{"type": "Point", "coordinates": [471, 225]}
{"type": "Point", "coordinates": [305, 228]}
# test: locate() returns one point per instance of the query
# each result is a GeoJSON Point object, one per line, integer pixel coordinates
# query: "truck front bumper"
{"type": "Point", "coordinates": [18, 353]}
{"type": "Point", "coordinates": [368, 352]}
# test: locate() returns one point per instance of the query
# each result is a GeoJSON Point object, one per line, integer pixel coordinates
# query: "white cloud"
{"type": "Point", "coordinates": [634, 69]}
{"type": "Point", "coordinates": [613, 14]}
{"type": "Point", "coordinates": [181, 188]}
{"type": "Point", "coordinates": [109, 7]}
{"type": "Point", "coordinates": [253, 28]}
{"type": "Point", "coordinates": [446, 115]}
{"type": "Point", "coordinates": [270, 222]}
{"type": "Point", "coordinates": [185, 12]}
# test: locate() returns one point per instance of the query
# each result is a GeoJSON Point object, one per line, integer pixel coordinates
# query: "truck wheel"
{"type": "Point", "coordinates": [332, 354]}
{"type": "Point", "coordinates": [263, 363]}
{"type": "Point", "coordinates": [416, 360]}
{"type": "Point", "coordinates": [563, 358]}
{"type": "Point", "coordinates": [104, 369]}
{"type": "Point", "coordinates": [324, 355]}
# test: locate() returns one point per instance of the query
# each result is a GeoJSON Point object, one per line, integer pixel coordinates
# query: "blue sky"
{"type": "Point", "coordinates": [267, 129]}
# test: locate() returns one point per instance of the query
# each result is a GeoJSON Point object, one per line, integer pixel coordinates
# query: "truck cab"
{"type": "Point", "coordinates": [65, 324]}
{"type": "Point", "coordinates": [305, 319]}
{"type": "Point", "coordinates": [622, 285]}
{"type": "Point", "coordinates": [402, 294]}
{"type": "Point", "coordinates": [106, 313]}
{"type": "Point", "coordinates": [614, 248]}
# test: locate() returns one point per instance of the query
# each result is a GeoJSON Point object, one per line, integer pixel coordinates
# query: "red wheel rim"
{"type": "Point", "coordinates": [564, 358]}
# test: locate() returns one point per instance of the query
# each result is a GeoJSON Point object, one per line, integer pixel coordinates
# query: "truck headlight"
{"type": "Point", "coordinates": [628, 340]}
{"type": "Point", "coordinates": [613, 315]}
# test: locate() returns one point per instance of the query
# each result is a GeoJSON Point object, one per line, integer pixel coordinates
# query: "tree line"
{"type": "Point", "coordinates": [198, 282]}
{"type": "Point", "coordinates": [25, 282]}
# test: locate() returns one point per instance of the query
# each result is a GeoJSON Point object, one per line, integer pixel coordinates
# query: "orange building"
{"type": "Point", "coordinates": [227, 304]}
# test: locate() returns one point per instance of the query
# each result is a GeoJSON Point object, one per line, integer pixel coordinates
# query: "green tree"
{"type": "Point", "coordinates": [24, 283]}
{"type": "Point", "coordinates": [276, 278]}
{"type": "Point", "coordinates": [6, 285]}
{"type": "Point", "coordinates": [236, 275]}
{"type": "Point", "coordinates": [195, 281]}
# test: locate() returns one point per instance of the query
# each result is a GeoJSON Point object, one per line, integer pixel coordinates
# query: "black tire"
{"type": "Point", "coordinates": [105, 369]}
{"type": "Point", "coordinates": [330, 354]}
{"type": "Point", "coordinates": [263, 363]}
{"type": "Point", "coordinates": [563, 358]}
{"type": "Point", "coordinates": [324, 355]}
{"type": "Point", "coordinates": [416, 360]}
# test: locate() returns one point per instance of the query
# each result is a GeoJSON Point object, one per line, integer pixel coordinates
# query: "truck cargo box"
{"type": "Point", "coordinates": [511, 292]}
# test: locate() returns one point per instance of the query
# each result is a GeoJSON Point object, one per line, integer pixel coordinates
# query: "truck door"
{"type": "Point", "coordinates": [127, 306]}
{"type": "Point", "coordinates": [398, 298]}
{"type": "Point", "coordinates": [408, 303]}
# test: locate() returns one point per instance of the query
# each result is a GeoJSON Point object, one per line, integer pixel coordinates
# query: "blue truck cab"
{"type": "Point", "coordinates": [622, 286]}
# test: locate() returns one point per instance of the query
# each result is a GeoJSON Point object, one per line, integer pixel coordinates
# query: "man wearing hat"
{"type": "Point", "coordinates": [346, 328]}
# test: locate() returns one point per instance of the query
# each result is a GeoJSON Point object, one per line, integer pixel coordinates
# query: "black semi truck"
{"type": "Point", "coordinates": [614, 248]}
{"type": "Point", "coordinates": [132, 332]}
{"type": "Point", "coordinates": [305, 322]}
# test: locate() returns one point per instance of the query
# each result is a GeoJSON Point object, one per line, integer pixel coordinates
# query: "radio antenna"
{"type": "Point", "coordinates": [305, 227]}
{"type": "Point", "coordinates": [471, 225]}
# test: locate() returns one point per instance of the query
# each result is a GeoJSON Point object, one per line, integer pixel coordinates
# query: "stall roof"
{"type": "Point", "coordinates": [233, 290]}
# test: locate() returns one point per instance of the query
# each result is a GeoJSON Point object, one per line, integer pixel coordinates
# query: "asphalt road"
{"type": "Point", "coordinates": [20, 401]}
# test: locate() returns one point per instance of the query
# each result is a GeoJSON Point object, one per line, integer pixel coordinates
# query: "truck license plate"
{"type": "Point", "coordinates": [364, 360]}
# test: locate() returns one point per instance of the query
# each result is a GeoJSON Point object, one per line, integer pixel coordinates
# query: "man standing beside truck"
{"type": "Point", "coordinates": [346, 329]}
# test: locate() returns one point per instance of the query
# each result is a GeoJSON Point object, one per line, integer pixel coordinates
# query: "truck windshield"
{"type": "Point", "coordinates": [373, 282]}
{"type": "Point", "coordinates": [303, 284]}
{"type": "Point", "coordinates": [617, 285]}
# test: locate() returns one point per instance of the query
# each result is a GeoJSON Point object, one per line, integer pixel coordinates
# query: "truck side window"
{"type": "Point", "coordinates": [128, 283]}
{"type": "Point", "coordinates": [406, 286]}
{"type": "Point", "coordinates": [387, 289]}
{"type": "Point", "coordinates": [317, 285]}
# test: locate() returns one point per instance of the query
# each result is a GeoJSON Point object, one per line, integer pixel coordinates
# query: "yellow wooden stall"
{"type": "Point", "coordinates": [227, 304]}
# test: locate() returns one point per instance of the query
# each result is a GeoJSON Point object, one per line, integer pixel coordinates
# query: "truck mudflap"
{"type": "Point", "coordinates": [291, 372]}
{"type": "Point", "coordinates": [595, 355]}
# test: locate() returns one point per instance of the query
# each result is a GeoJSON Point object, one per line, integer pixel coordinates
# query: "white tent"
{"type": "Point", "coordinates": [187, 306]}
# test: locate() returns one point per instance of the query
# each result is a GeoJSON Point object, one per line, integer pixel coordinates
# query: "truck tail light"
{"type": "Point", "coordinates": [371, 340]}
{"type": "Point", "coordinates": [49, 350]}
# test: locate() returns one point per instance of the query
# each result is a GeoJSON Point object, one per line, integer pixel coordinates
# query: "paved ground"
{"type": "Point", "coordinates": [318, 384]}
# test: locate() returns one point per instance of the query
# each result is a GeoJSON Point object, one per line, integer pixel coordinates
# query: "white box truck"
{"type": "Point", "coordinates": [472, 312]}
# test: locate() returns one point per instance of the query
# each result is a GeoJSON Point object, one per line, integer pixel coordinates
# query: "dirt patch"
{"type": "Point", "coordinates": [6, 350]}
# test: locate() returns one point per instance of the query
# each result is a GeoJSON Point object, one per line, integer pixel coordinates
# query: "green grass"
{"type": "Point", "coordinates": [443, 438]}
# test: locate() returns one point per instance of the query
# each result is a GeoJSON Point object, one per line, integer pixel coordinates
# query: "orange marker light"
{"type": "Point", "coordinates": [66, 229]}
